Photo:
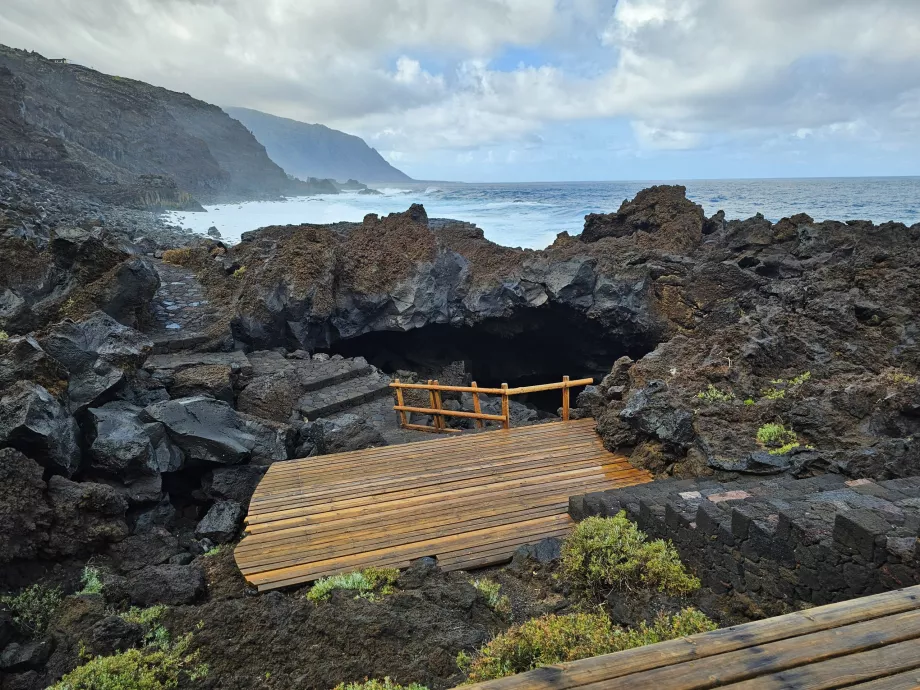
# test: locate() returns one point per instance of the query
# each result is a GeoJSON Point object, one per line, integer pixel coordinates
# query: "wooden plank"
{"type": "Point", "coordinates": [476, 406]}
{"type": "Point", "coordinates": [842, 672]}
{"type": "Point", "coordinates": [901, 681]}
{"type": "Point", "coordinates": [631, 663]}
{"type": "Point", "coordinates": [440, 412]}
{"type": "Point", "coordinates": [565, 399]}
{"type": "Point", "coordinates": [550, 386]}
{"type": "Point", "coordinates": [506, 413]}
{"type": "Point", "coordinates": [403, 419]}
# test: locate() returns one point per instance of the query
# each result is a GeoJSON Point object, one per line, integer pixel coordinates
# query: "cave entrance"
{"type": "Point", "coordinates": [533, 346]}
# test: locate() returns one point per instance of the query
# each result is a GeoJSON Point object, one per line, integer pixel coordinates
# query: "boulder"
{"type": "Point", "coordinates": [127, 447]}
{"type": "Point", "coordinates": [86, 516]}
{"type": "Point", "coordinates": [222, 522]}
{"type": "Point", "coordinates": [24, 513]}
{"type": "Point", "coordinates": [209, 430]}
{"type": "Point", "coordinates": [114, 634]}
{"type": "Point", "coordinates": [22, 358]}
{"type": "Point", "coordinates": [126, 292]}
{"type": "Point", "coordinates": [662, 210]}
{"type": "Point", "coordinates": [650, 411]}
{"type": "Point", "coordinates": [212, 380]}
{"type": "Point", "coordinates": [162, 515]}
{"type": "Point", "coordinates": [233, 483]}
{"type": "Point", "coordinates": [152, 547]}
{"type": "Point", "coordinates": [96, 352]}
{"type": "Point", "coordinates": [173, 585]}
{"type": "Point", "coordinates": [33, 422]}
{"type": "Point", "coordinates": [344, 433]}
{"type": "Point", "coordinates": [27, 656]}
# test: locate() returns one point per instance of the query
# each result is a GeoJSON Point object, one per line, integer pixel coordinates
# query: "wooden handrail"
{"type": "Point", "coordinates": [438, 413]}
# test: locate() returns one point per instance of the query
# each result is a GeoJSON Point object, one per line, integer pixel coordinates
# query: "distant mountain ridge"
{"type": "Point", "coordinates": [309, 150]}
{"type": "Point", "coordinates": [128, 142]}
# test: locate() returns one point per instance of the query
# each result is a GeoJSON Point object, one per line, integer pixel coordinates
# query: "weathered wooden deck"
{"type": "Point", "coordinates": [470, 500]}
{"type": "Point", "coordinates": [872, 643]}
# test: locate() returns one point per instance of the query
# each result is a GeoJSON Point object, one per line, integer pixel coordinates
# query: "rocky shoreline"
{"type": "Point", "coordinates": [149, 376]}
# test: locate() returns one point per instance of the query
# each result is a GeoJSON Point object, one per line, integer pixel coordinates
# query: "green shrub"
{"type": "Point", "coordinates": [773, 393]}
{"type": "Point", "coordinates": [713, 395]}
{"type": "Point", "coordinates": [553, 639]}
{"type": "Point", "coordinates": [385, 684]}
{"type": "Point", "coordinates": [240, 272]}
{"type": "Point", "coordinates": [606, 554]}
{"type": "Point", "coordinates": [156, 667]}
{"type": "Point", "coordinates": [775, 436]}
{"type": "Point", "coordinates": [497, 601]}
{"type": "Point", "coordinates": [33, 607]}
{"type": "Point", "coordinates": [92, 580]}
{"type": "Point", "coordinates": [750, 401]}
{"type": "Point", "coordinates": [778, 392]}
{"type": "Point", "coordinates": [4, 335]}
{"type": "Point", "coordinates": [149, 620]}
{"type": "Point", "coordinates": [370, 583]}
{"type": "Point", "coordinates": [788, 448]}
{"type": "Point", "coordinates": [895, 377]}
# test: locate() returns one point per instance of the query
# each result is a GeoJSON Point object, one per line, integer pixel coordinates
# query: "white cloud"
{"type": "Point", "coordinates": [429, 75]}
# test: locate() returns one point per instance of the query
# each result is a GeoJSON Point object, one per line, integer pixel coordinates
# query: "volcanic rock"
{"type": "Point", "coordinates": [24, 513]}
{"type": "Point", "coordinates": [86, 516]}
{"type": "Point", "coordinates": [33, 422]}
{"type": "Point", "coordinates": [126, 446]}
{"type": "Point", "coordinates": [222, 522]}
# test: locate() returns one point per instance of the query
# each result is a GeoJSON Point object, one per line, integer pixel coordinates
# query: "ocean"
{"type": "Point", "coordinates": [532, 214]}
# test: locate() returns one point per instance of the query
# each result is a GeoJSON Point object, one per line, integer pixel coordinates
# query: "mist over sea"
{"type": "Point", "coordinates": [532, 214]}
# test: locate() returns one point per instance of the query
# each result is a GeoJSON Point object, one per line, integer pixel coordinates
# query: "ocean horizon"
{"type": "Point", "coordinates": [531, 214]}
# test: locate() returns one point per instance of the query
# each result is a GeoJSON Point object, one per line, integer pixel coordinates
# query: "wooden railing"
{"type": "Point", "coordinates": [438, 413]}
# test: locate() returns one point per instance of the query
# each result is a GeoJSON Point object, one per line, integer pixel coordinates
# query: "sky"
{"type": "Point", "coordinates": [527, 90]}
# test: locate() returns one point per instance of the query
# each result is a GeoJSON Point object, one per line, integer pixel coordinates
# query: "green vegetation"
{"type": "Point", "coordinates": [713, 395]}
{"type": "Point", "coordinates": [240, 272]}
{"type": "Point", "coordinates": [780, 386]}
{"type": "Point", "coordinates": [607, 554]}
{"type": "Point", "coordinates": [552, 639]}
{"type": "Point", "coordinates": [214, 551]}
{"type": "Point", "coordinates": [497, 601]}
{"type": "Point", "coordinates": [370, 583]}
{"type": "Point", "coordinates": [92, 580]}
{"type": "Point", "coordinates": [4, 335]}
{"type": "Point", "coordinates": [385, 684]}
{"type": "Point", "coordinates": [775, 436]}
{"type": "Point", "coordinates": [750, 401]}
{"type": "Point", "coordinates": [158, 666]}
{"type": "Point", "coordinates": [894, 377]}
{"type": "Point", "coordinates": [33, 607]}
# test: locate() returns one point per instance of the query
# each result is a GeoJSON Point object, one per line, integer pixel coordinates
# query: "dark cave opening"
{"type": "Point", "coordinates": [532, 346]}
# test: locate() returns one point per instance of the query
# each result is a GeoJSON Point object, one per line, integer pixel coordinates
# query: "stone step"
{"type": "Point", "coordinates": [330, 400]}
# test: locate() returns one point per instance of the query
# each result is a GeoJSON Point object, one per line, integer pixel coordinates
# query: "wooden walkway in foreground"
{"type": "Point", "coordinates": [872, 643]}
{"type": "Point", "coordinates": [469, 499]}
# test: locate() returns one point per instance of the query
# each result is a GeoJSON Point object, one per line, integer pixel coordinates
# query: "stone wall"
{"type": "Point", "coordinates": [817, 540]}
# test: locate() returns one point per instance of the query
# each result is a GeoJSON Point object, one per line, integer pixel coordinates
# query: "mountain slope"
{"type": "Point", "coordinates": [306, 150]}
{"type": "Point", "coordinates": [98, 132]}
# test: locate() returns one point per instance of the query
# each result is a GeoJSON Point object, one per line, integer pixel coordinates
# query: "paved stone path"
{"type": "Point", "coordinates": [181, 311]}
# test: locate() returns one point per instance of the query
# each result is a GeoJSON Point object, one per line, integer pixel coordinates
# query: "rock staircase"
{"type": "Point", "coordinates": [334, 399]}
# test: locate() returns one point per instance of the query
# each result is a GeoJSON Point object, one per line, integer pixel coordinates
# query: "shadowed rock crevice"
{"type": "Point", "coordinates": [532, 346]}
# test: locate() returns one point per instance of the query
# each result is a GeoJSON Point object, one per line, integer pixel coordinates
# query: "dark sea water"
{"type": "Point", "coordinates": [531, 215]}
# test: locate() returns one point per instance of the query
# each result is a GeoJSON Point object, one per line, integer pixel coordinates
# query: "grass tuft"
{"type": "Point", "coordinates": [370, 583]}
{"type": "Point", "coordinates": [385, 684]}
{"type": "Point", "coordinates": [497, 601]}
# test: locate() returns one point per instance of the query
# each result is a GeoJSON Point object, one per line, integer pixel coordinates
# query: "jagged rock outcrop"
{"type": "Point", "coordinates": [23, 512]}
{"type": "Point", "coordinates": [125, 446]}
{"type": "Point", "coordinates": [86, 517]}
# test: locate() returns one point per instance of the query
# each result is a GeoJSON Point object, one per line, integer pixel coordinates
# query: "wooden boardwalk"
{"type": "Point", "coordinates": [872, 643]}
{"type": "Point", "coordinates": [469, 499]}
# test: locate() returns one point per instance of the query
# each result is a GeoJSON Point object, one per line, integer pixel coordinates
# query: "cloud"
{"type": "Point", "coordinates": [424, 76]}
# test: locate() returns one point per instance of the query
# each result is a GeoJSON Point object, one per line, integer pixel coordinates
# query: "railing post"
{"type": "Point", "coordinates": [431, 404]}
{"type": "Point", "coordinates": [565, 399]}
{"type": "Point", "coordinates": [439, 419]}
{"type": "Point", "coordinates": [506, 411]}
{"type": "Point", "coordinates": [403, 418]}
{"type": "Point", "coordinates": [476, 407]}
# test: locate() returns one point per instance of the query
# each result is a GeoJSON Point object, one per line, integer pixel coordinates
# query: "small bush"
{"type": "Point", "coordinates": [385, 684]}
{"type": "Point", "coordinates": [497, 601]}
{"type": "Point", "coordinates": [4, 335]}
{"type": "Point", "coordinates": [775, 436]}
{"type": "Point", "coordinates": [773, 393]}
{"type": "Point", "coordinates": [179, 257]}
{"type": "Point", "coordinates": [713, 395]}
{"type": "Point", "coordinates": [788, 448]}
{"type": "Point", "coordinates": [240, 272]}
{"type": "Point", "coordinates": [92, 580]}
{"type": "Point", "coordinates": [553, 639]}
{"type": "Point", "coordinates": [750, 401]}
{"type": "Point", "coordinates": [33, 607]}
{"type": "Point", "coordinates": [370, 583]}
{"type": "Point", "coordinates": [152, 668]}
{"type": "Point", "coordinates": [778, 392]}
{"type": "Point", "coordinates": [606, 554]}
